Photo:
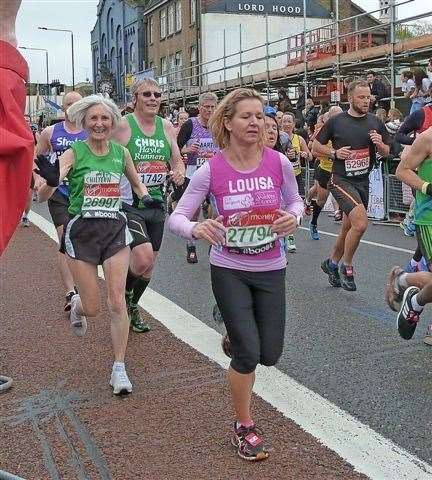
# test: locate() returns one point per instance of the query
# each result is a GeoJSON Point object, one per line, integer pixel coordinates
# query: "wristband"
{"type": "Point", "coordinates": [424, 188]}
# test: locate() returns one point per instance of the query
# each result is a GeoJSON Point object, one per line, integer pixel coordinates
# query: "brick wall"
{"type": "Point", "coordinates": [181, 41]}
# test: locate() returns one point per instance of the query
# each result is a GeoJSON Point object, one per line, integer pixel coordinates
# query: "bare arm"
{"type": "Point", "coordinates": [66, 162]}
{"type": "Point", "coordinates": [320, 150]}
{"type": "Point", "coordinates": [43, 145]}
{"type": "Point", "coordinates": [131, 174]}
{"type": "Point", "coordinates": [304, 149]}
{"type": "Point", "coordinates": [122, 133]}
{"type": "Point", "coordinates": [412, 157]}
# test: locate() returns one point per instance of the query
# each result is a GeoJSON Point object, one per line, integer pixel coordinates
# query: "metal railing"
{"type": "Point", "coordinates": [329, 40]}
{"type": "Point", "coordinates": [397, 195]}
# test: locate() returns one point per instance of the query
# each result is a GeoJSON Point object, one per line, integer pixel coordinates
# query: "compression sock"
{"type": "Point", "coordinates": [139, 288]}
{"type": "Point", "coordinates": [131, 280]}
{"type": "Point", "coordinates": [316, 211]}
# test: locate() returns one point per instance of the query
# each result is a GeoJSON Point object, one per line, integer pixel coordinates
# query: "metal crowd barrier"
{"type": "Point", "coordinates": [397, 196]}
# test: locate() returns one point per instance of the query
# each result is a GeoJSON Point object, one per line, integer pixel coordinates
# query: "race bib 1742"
{"type": "Point", "coordinates": [152, 174]}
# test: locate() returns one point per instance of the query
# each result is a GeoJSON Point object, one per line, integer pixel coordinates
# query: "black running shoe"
{"type": "Point", "coordinates": [333, 274]}
{"type": "Point", "coordinates": [226, 345]}
{"type": "Point", "coordinates": [347, 278]}
{"type": "Point", "coordinates": [249, 443]}
{"type": "Point", "coordinates": [67, 305]}
{"type": "Point", "coordinates": [408, 318]}
{"type": "Point", "coordinates": [191, 255]}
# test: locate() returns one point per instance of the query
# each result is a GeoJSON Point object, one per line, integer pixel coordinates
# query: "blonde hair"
{"type": "Point", "coordinates": [77, 112]}
{"type": "Point", "coordinates": [226, 109]}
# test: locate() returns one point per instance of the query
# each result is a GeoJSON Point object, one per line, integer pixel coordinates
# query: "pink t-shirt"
{"type": "Point", "coordinates": [248, 202]}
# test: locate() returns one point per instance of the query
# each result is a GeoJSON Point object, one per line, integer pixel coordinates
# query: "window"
{"type": "Point", "coordinates": [171, 13]}
{"type": "Point", "coordinates": [193, 62]}
{"type": "Point", "coordinates": [163, 66]}
{"type": "Point", "coordinates": [171, 68]}
{"type": "Point", "coordinates": [132, 58]}
{"type": "Point", "coordinates": [163, 23]}
{"type": "Point", "coordinates": [112, 28]}
{"type": "Point", "coordinates": [150, 30]}
{"type": "Point", "coordinates": [178, 16]}
{"type": "Point", "coordinates": [178, 67]}
{"type": "Point", "coordinates": [192, 11]}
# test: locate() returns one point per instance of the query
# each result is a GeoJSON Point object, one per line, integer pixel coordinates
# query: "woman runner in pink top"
{"type": "Point", "coordinates": [254, 195]}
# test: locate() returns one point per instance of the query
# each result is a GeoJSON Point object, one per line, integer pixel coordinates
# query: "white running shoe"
{"type": "Point", "coordinates": [428, 338]}
{"type": "Point", "coordinates": [120, 382]}
{"type": "Point", "coordinates": [78, 322]}
{"type": "Point", "coordinates": [290, 244]}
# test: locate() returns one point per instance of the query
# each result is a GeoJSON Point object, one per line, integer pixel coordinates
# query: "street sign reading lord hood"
{"type": "Point", "coordinates": [288, 8]}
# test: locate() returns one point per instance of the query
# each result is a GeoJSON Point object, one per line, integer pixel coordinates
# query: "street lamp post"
{"type": "Point", "coordinates": [46, 62]}
{"type": "Point", "coordinates": [72, 45]}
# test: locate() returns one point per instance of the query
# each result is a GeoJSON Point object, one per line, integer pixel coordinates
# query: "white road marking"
{"type": "Point", "coordinates": [366, 242]}
{"type": "Point", "coordinates": [366, 450]}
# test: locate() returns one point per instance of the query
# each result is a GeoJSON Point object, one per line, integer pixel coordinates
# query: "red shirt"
{"type": "Point", "coordinates": [16, 141]}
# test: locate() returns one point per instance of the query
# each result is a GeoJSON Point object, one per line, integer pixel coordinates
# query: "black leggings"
{"type": "Point", "coordinates": [252, 305]}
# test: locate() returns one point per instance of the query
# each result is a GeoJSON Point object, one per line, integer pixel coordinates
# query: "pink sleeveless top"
{"type": "Point", "coordinates": [248, 201]}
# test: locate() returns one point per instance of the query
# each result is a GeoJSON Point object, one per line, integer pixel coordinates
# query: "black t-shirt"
{"type": "Point", "coordinates": [185, 133]}
{"type": "Point", "coordinates": [344, 130]}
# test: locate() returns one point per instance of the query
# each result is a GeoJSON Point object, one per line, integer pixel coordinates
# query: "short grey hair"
{"type": "Point", "coordinates": [78, 110]}
{"type": "Point", "coordinates": [207, 96]}
{"type": "Point", "coordinates": [289, 114]}
{"type": "Point", "coordinates": [145, 81]}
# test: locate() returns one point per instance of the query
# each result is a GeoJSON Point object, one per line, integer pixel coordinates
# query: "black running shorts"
{"type": "Point", "coordinates": [94, 240]}
{"type": "Point", "coordinates": [58, 207]}
{"type": "Point", "coordinates": [146, 225]}
{"type": "Point", "coordinates": [424, 237]}
{"type": "Point", "coordinates": [322, 177]}
{"type": "Point", "coordinates": [349, 193]}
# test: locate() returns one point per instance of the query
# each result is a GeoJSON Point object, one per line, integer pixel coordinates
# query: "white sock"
{"type": "Point", "coordinates": [401, 283]}
{"type": "Point", "coordinates": [118, 366]}
{"type": "Point", "coordinates": [416, 306]}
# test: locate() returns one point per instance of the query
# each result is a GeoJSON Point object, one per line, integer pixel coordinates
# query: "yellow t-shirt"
{"type": "Point", "coordinates": [326, 163]}
{"type": "Point", "coordinates": [296, 145]}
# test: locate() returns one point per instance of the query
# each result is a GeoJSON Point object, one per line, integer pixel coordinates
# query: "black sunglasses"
{"type": "Point", "coordinates": [149, 94]}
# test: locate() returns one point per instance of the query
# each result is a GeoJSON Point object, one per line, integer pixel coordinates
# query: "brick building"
{"type": "Point", "coordinates": [171, 37]}
{"type": "Point", "coordinates": [183, 33]}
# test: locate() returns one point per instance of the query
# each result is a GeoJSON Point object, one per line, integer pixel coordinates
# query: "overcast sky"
{"type": "Point", "coordinates": [80, 16]}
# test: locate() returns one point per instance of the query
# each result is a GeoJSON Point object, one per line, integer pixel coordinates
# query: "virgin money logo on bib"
{"type": "Point", "coordinates": [252, 217]}
{"type": "Point", "coordinates": [104, 190]}
{"type": "Point", "coordinates": [153, 173]}
{"type": "Point", "coordinates": [151, 167]}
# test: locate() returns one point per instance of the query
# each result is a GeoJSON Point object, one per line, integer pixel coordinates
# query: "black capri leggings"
{"type": "Point", "coordinates": [252, 305]}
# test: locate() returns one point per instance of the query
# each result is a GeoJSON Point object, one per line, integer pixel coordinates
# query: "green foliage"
{"type": "Point", "coordinates": [412, 30]}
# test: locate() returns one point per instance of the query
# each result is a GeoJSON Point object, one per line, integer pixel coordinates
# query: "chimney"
{"type": "Point", "coordinates": [384, 14]}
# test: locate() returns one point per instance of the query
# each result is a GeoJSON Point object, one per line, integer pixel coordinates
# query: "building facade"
{"type": "Point", "coordinates": [172, 40]}
{"type": "Point", "coordinates": [186, 42]}
{"type": "Point", "coordinates": [117, 43]}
